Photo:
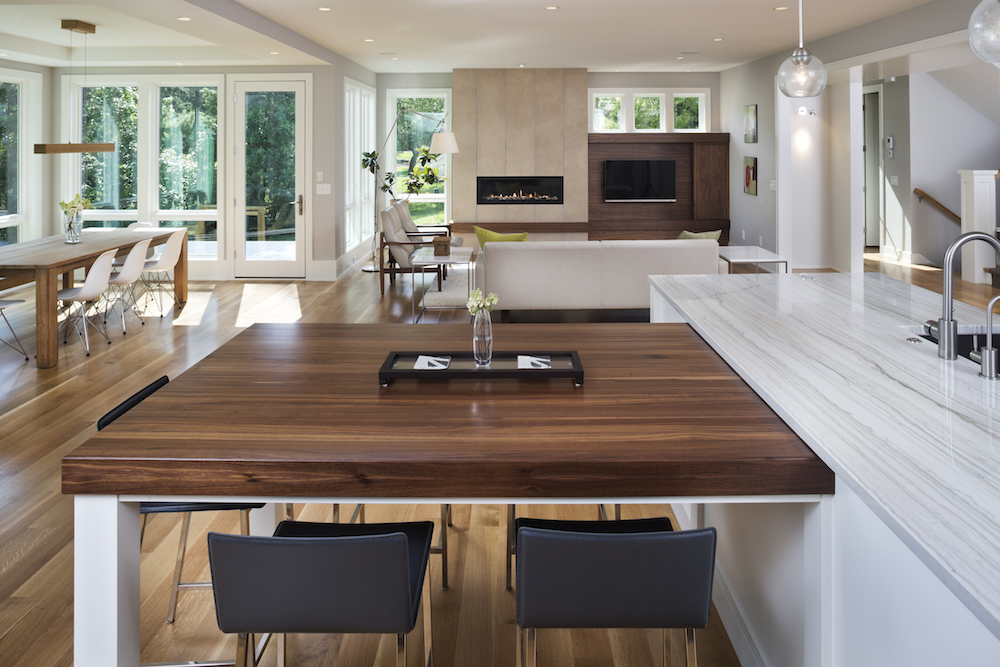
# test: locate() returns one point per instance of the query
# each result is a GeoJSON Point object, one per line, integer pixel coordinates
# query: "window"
{"type": "Point", "coordinates": [21, 172]}
{"type": "Point", "coordinates": [109, 180]}
{"type": "Point", "coordinates": [413, 132]}
{"type": "Point", "coordinates": [607, 113]}
{"type": "Point", "coordinates": [649, 110]}
{"type": "Point", "coordinates": [164, 168]}
{"type": "Point", "coordinates": [649, 113]}
{"type": "Point", "coordinates": [689, 112]}
{"type": "Point", "coordinates": [359, 131]}
{"type": "Point", "coordinates": [10, 122]}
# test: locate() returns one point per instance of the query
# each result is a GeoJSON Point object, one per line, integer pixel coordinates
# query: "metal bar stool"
{"type": "Point", "coordinates": [651, 577]}
{"type": "Point", "coordinates": [323, 578]}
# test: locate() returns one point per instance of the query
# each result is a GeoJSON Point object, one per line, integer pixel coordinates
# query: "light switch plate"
{"type": "Point", "coordinates": [319, 176]}
{"type": "Point", "coordinates": [894, 180]}
{"type": "Point", "coordinates": [324, 189]}
{"type": "Point", "coordinates": [774, 186]}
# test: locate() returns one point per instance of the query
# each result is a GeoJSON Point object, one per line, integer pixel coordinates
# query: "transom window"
{"type": "Point", "coordinates": [649, 110]}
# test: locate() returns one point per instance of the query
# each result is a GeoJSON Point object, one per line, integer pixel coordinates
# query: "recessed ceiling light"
{"type": "Point", "coordinates": [617, 70]}
{"type": "Point", "coordinates": [275, 53]}
{"type": "Point", "coordinates": [717, 39]}
{"type": "Point", "coordinates": [780, 9]}
{"type": "Point", "coordinates": [324, 9]}
{"type": "Point", "coordinates": [369, 40]}
{"type": "Point", "coordinates": [395, 58]}
{"type": "Point", "coordinates": [680, 57]}
{"type": "Point", "coordinates": [183, 18]}
{"type": "Point", "coordinates": [520, 64]}
{"type": "Point", "coordinates": [551, 9]}
{"type": "Point", "coordinates": [416, 72]}
{"type": "Point", "coordinates": [3, 55]}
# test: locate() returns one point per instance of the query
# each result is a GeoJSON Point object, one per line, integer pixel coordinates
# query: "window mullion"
{"type": "Point", "coordinates": [146, 138]}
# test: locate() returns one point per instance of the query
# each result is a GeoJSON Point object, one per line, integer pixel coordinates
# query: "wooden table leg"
{"type": "Point", "coordinates": [181, 275]}
{"type": "Point", "coordinates": [67, 280]}
{"type": "Point", "coordinates": [46, 319]}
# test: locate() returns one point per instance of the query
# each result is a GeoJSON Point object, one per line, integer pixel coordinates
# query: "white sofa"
{"type": "Point", "coordinates": [577, 275]}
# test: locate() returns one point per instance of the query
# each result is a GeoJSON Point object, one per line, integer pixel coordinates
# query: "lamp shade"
{"type": "Point", "coordinates": [802, 75]}
{"type": "Point", "coordinates": [984, 31]}
{"type": "Point", "coordinates": [443, 142]}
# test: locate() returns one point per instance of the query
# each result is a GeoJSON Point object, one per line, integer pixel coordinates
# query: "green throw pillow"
{"type": "Point", "coordinates": [486, 236]}
{"type": "Point", "coordinates": [701, 235]}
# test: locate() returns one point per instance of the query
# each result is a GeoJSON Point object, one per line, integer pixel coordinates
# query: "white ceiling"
{"type": "Point", "coordinates": [432, 35]}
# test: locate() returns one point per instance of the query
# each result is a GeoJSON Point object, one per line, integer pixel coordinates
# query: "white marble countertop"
{"type": "Point", "coordinates": [918, 438]}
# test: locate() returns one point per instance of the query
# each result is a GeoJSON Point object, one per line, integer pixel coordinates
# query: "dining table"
{"type": "Point", "coordinates": [43, 260]}
{"type": "Point", "coordinates": [295, 413]}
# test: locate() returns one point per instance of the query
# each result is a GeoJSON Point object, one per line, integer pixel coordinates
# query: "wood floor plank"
{"type": "Point", "coordinates": [46, 413]}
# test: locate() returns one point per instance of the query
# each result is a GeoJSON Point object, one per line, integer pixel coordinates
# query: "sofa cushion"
{"type": "Point", "coordinates": [628, 265]}
{"type": "Point", "coordinates": [714, 235]}
{"type": "Point", "coordinates": [547, 275]}
{"type": "Point", "coordinates": [487, 236]}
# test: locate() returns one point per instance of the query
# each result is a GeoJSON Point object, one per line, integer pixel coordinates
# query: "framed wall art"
{"type": "Point", "coordinates": [750, 124]}
{"type": "Point", "coordinates": [750, 175]}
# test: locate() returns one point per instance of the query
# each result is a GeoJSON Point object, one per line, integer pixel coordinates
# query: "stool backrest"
{"type": "Point", "coordinates": [321, 584]}
{"type": "Point", "coordinates": [657, 579]}
{"type": "Point", "coordinates": [130, 402]}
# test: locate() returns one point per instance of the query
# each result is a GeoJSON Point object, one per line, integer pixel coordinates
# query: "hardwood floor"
{"type": "Point", "coordinates": [44, 414]}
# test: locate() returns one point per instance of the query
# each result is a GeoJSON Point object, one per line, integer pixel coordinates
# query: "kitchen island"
{"type": "Point", "coordinates": [910, 539]}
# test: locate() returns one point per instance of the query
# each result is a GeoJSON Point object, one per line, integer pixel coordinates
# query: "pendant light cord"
{"type": "Point", "coordinates": [800, 25]}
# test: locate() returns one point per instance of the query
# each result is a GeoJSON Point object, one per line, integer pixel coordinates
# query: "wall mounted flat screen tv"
{"type": "Point", "coordinates": [640, 180]}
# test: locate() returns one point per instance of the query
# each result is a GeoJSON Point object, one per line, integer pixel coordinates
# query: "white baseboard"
{"type": "Point", "coordinates": [732, 620]}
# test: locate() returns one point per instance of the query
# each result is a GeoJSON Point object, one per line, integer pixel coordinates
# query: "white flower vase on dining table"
{"type": "Point", "coordinates": [74, 223]}
{"type": "Point", "coordinates": [482, 338]}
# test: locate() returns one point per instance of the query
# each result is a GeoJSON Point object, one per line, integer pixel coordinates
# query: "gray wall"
{"type": "Point", "coordinates": [896, 124]}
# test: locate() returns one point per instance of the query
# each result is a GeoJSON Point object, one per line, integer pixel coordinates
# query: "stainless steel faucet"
{"type": "Point", "coordinates": [946, 329]}
{"type": "Point", "coordinates": [987, 356]}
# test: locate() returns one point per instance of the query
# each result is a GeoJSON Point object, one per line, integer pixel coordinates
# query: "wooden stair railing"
{"type": "Point", "coordinates": [921, 195]}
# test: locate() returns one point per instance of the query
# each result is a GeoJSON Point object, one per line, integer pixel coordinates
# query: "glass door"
{"type": "Point", "coordinates": [270, 179]}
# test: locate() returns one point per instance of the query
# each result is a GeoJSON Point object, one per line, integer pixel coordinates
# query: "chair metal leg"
{"type": "Point", "coordinates": [359, 514]}
{"type": "Point", "coordinates": [19, 348]}
{"type": "Point", "coordinates": [692, 657]}
{"type": "Point", "coordinates": [602, 512]}
{"type": "Point", "coordinates": [400, 650]}
{"type": "Point", "coordinates": [449, 514]}
{"type": "Point", "coordinates": [618, 512]}
{"type": "Point", "coordinates": [289, 512]}
{"type": "Point", "coordinates": [529, 648]}
{"type": "Point", "coordinates": [510, 542]}
{"type": "Point", "coordinates": [142, 528]}
{"type": "Point", "coordinates": [244, 522]}
{"type": "Point", "coordinates": [178, 566]}
{"type": "Point", "coordinates": [336, 513]}
{"type": "Point", "coordinates": [666, 647]}
{"type": "Point", "coordinates": [428, 626]}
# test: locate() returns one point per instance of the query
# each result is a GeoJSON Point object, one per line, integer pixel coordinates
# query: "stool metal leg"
{"type": "Point", "coordinates": [529, 648]}
{"type": "Point", "coordinates": [242, 652]}
{"type": "Point", "coordinates": [442, 545]}
{"type": "Point", "coordinates": [428, 627]}
{"type": "Point", "coordinates": [178, 566]}
{"type": "Point", "coordinates": [618, 512]}
{"type": "Point", "coordinates": [692, 657]}
{"type": "Point", "coordinates": [510, 541]}
{"type": "Point", "coordinates": [400, 650]}
{"type": "Point", "coordinates": [336, 513]}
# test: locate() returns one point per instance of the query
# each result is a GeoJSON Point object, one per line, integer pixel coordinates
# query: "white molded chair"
{"type": "Point", "coordinates": [92, 289]}
{"type": "Point", "coordinates": [160, 267]}
{"type": "Point", "coordinates": [121, 285]}
{"type": "Point", "coordinates": [119, 261]}
{"type": "Point", "coordinates": [5, 303]}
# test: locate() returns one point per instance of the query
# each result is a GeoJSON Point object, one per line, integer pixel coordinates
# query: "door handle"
{"type": "Point", "coordinates": [301, 204]}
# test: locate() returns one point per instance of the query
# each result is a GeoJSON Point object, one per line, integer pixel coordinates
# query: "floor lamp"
{"type": "Point", "coordinates": [442, 143]}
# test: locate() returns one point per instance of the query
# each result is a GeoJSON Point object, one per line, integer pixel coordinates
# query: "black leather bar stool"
{"type": "Point", "coordinates": [145, 509]}
{"type": "Point", "coordinates": [649, 577]}
{"type": "Point", "coordinates": [323, 578]}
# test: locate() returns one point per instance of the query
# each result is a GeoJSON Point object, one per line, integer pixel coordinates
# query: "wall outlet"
{"type": "Point", "coordinates": [774, 186]}
{"type": "Point", "coordinates": [743, 234]}
{"type": "Point", "coordinates": [760, 241]}
{"type": "Point", "coordinates": [324, 189]}
{"type": "Point", "coordinates": [894, 180]}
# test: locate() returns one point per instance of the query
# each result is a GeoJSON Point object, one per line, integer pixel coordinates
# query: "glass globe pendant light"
{"type": "Point", "coordinates": [984, 31]}
{"type": "Point", "coordinates": [803, 75]}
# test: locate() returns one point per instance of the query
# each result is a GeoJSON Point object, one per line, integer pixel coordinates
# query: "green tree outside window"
{"type": "Point", "coordinates": [9, 121]}
{"type": "Point", "coordinates": [647, 113]}
{"type": "Point", "coordinates": [607, 113]}
{"type": "Point", "coordinates": [686, 113]}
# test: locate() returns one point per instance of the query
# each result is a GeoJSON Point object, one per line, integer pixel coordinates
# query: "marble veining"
{"type": "Point", "coordinates": [917, 437]}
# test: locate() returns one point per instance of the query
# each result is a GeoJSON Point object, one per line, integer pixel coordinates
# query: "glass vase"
{"type": "Point", "coordinates": [482, 338]}
{"type": "Point", "coordinates": [74, 223]}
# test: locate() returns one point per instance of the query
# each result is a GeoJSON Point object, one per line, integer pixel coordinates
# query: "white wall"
{"type": "Point", "coordinates": [847, 169]}
{"type": "Point", "coordinates": [946, 135]}
{"type": "Point", "coordinates": [898, 240]}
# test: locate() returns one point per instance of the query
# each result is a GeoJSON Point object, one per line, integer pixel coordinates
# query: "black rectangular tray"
{"type": "Point", "coordinates": [399, 365]}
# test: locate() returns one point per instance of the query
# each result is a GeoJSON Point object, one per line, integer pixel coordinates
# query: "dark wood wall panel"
{"type": "Point", "coordinates": [711, 181]}
{"type": "Point", "coordinates": [702, 186]}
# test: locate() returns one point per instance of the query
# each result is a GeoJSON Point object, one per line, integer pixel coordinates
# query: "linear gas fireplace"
{"type": "Point", "coordinates": [520, 190]}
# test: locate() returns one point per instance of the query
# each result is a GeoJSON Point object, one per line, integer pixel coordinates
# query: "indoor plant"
{"type": "Point", "coordinates": [72, 209]}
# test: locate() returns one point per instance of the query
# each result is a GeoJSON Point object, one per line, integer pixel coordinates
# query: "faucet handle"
{"type": "Point", "coordinates": [988, 361]}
